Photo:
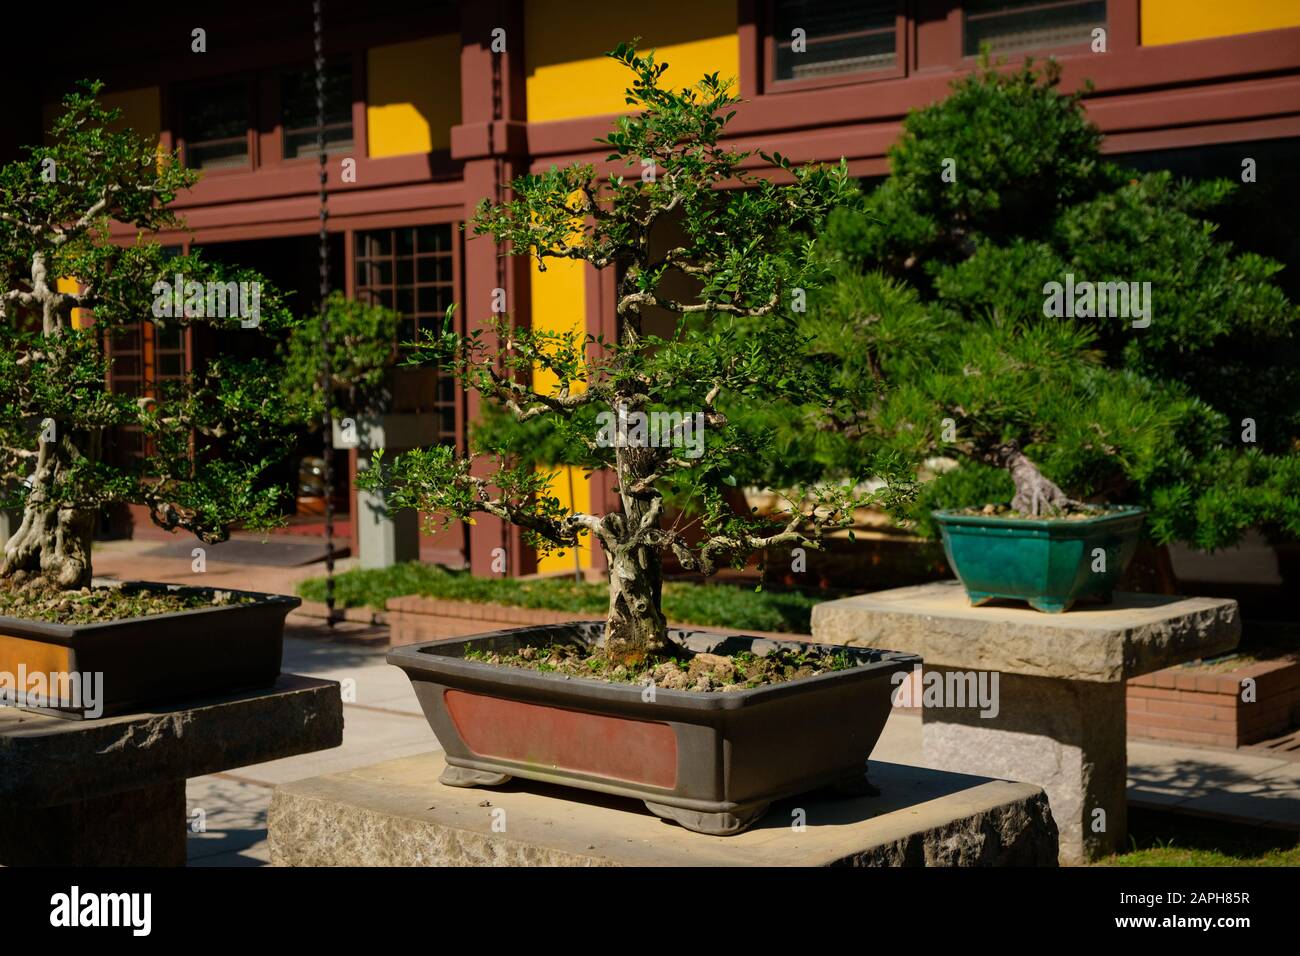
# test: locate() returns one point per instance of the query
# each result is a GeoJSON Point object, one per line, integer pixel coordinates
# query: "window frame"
{"type": "Point", "coordinates": [273, 138]}
{"type": "Point", "coordinates": [768, 39]}
{"type": "Point", "coordinates": [968, 60]}
{"type": "Point", "coordinates": [184, 93]}
{"type": "Point", "coordinates": [437, 405]}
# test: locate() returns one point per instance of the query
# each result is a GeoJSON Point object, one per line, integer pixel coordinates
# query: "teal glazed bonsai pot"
{"type": "Point", "coordinates": [1049, 562]}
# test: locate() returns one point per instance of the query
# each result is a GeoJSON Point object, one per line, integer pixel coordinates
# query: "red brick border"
{"type": "Point", "coordinates": [414, 619]}
{"type": "Point", "coordinates": [1179, 703]}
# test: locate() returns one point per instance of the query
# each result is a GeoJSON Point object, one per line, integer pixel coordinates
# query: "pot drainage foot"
{"type": "Point", "coordinates": [1050, 607]}
{"type": "Point", "coordinates": [714, 824]}
{"type": "Point", "coordinates": [468, 777]}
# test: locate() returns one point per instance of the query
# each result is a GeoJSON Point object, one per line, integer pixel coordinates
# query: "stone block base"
{"type": "Point", "coordinates": [1066, 736]}
{"type": "Point", "coordinates": [397, 814]}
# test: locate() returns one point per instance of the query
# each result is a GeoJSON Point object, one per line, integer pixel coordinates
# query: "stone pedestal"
{"type": "Point", "coordinates": [397, 814]}
{"type": "Point", "coordinates": [1058, 718]}
{"type": "Point", "coordinates": [383, 539]}
{"type": "Point", "coordinates": [111, 792]}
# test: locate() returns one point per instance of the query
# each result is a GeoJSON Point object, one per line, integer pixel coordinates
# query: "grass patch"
{"type": "Point", "coordinates": [704, 605]}
{"type": "Point", "coordinates": [1161, 838]}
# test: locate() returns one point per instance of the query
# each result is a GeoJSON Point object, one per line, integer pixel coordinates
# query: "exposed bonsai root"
{"type": "Point", "coordinates": [635, 629]}
{"type": "Point", "coordinates": [52, 545]}
{"type": "Point", "coordinates": [1035, 493]}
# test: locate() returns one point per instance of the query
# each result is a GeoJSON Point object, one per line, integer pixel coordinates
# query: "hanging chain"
{"type": "Point", "coordinates": [327, 370]}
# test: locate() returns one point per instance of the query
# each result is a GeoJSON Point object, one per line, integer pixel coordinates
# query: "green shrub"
{"type": "Point", "coordinates": [705, 605]}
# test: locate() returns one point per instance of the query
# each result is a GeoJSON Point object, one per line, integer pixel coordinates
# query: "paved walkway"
{"type": "Point", "coordinates": [382, 721]}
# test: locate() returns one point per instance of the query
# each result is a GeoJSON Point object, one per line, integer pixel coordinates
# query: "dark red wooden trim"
{"type": "Point", "coordinates": [1135, 70]}
{"type": "Point", "coordinates": [750, 38]}
{"type": "Point", "coordinates": [1123, 28]}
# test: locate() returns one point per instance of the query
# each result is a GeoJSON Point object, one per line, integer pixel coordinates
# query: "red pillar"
{"type": "Point", "coordinates": [492, 142]}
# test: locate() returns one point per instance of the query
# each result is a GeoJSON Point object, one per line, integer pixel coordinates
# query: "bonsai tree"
{"type": "Point", "coordinates": [946, 313]}
{"type": "Point", "coordinates": [709, 284]}
{"type": "Point", "coordinates": [363, 349]}
{"type": "Point", "coordinates": [206, 438]}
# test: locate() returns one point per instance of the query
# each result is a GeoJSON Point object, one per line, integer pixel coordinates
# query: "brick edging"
{"type": "Point", "coordinates": [415, 618]}
{"type": "Point", "coordinates": [1180, 704]}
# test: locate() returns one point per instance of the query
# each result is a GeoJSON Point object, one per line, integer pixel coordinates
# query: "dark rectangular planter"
{"type": "Point", "coordinates": [711, 761]}
{"type": "Point", "coordinates": [1045, 561]}
{"type": "Point", "coordinates": [147, 660]}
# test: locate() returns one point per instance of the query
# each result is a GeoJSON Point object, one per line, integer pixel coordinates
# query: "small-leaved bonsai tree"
{"type": "Point", "coordinates": [205, 438]}
{"type": "Point", "coordinates": [709, 282]}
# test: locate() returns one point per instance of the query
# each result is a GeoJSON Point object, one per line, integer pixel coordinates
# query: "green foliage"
{"type": "Point", "coordinates": [363, 340]}
{"type": "Point", "coordinates": [208, 438]}
{"type": "Point", "coordinates": [938, 303]}
{"type": "Point", "coordinates": [727, 267]}
{"type": "Point", "coordinates": [704, 605]}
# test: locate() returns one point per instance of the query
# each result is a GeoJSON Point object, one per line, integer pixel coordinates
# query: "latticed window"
{"type": "Point", "coordinates": [412, 270]}
{"type": "Point", "coordinates": [298, 110]}
{"type": "Point", "coordinates": [1014, 26]}
{"type": "Point", "coordinates": [216, 125]}
{"type": "Point", "coordinates": [142, 358]}
{"type": "Point", "coordinates": [818, 38]}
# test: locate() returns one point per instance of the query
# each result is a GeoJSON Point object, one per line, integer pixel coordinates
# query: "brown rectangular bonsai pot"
{"type": "Point", "coordinates": [145, 660]}
{"type": "Point", "coordinates": [712, 761]}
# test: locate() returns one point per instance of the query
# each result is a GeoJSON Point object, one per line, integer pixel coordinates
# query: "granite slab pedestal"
{"type": "Point", "coordinates": [396, 813]}
{"type": "Point", "coordinates": [111, 792]}
{"type": "Point", "coordinates": [1060, 706]}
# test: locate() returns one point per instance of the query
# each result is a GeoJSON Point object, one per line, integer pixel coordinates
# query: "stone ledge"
{"type": "Point", "coordinates": [1137, 634]}
{"type": "Point", "coordinates": [47, 761]}
{"type": "Point", "coordinates": [397, 814]}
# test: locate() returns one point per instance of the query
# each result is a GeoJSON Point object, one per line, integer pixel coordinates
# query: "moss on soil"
{"type": "Point", "coordinates": [687, 671]}
{"type": "Point", "coordinates": [102, 604]}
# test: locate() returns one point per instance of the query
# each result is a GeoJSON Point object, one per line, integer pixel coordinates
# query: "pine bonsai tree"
{"type": "Point", "coordinates": [733, 340]}
{"type": "Point", "coordinates": [206, 439]}
{"type": "Point", "coordinates": [944, 315]}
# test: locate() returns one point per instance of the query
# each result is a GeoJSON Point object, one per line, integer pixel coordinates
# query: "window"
{"type": "Point", "coordinates": [412, 270]}
{"type": "Point", "coordinates": [1012, 26]}
{"type": "Point", "coordinates": [298, 110]}
{"type": "Point", "coordinates": [836, 37]}
{"type": "Point", "coordinates": [216, 125]}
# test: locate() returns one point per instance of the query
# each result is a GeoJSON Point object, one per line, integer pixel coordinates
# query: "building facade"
{"type": "Point", "coordinates": [439, 105]}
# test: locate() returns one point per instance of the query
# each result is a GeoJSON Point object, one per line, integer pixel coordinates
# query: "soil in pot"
{"type": "Point", "coordinates": [99, 605]}
{"type": "Point", "coordinates": [682, 670]}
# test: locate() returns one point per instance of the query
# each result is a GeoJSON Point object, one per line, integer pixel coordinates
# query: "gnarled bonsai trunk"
{"type": "Point", "coordinates": [1034, 492]}
{"type": "Point", "coordinates": [53, 540]}
{"type": "Point", "coordinates": [635, 627]}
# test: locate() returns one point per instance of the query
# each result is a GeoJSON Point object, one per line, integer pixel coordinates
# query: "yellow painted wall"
{"type": "Point", "coordinates": [413, 95]}
{"type": "Point", "coordinates": [1174, 21]}
{"type": "Point", "coordinates": [559, 303]}
{"type": "Point", "coordinates": [568, 75]}
{"type": "Point", "coordinates": [79, 316]}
